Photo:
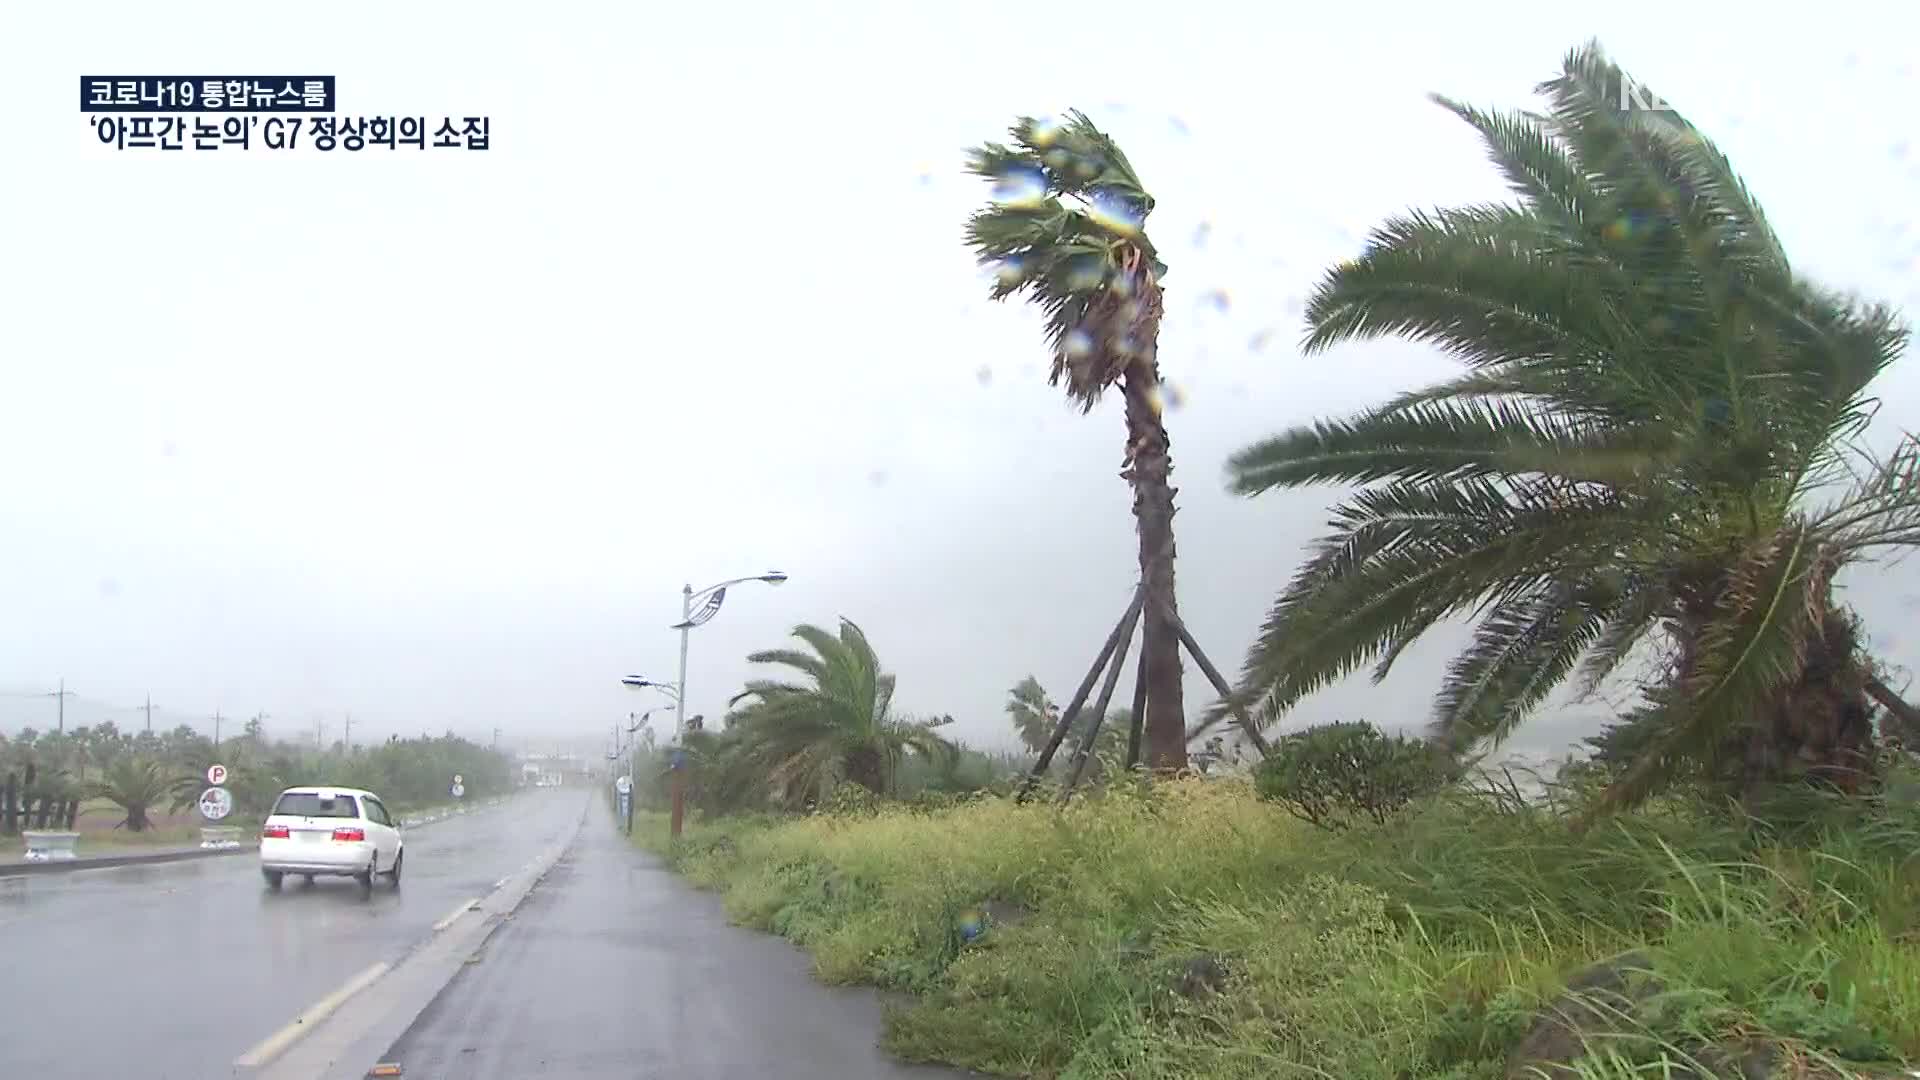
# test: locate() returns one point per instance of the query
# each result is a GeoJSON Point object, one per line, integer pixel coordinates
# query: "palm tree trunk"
{"type": "Point", "coordinates": [1150, 469]}
{"type": "Point", "coordinates": [866, 766]}
{"type": "Point", "coordinates": [1820, 728]}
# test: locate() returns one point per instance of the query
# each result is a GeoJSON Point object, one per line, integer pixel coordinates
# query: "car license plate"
{"type": "Point", "coordinates": [311, 836]}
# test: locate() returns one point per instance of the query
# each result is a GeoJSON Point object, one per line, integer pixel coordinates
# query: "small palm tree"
{"type": "Point", "coordinates": [838, 726]}
{"type": "Point", "coordinates": [1649, 446]}
{"type": "Point", "coordinates": [1033, 714]}
{"type": "Point", "coordinates": [1066, 228]}
{"type": "Point", "coordinates": [136, 786]}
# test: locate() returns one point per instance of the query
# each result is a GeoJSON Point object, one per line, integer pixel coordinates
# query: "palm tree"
{"type": "Point", "coordinates": [1066, 229]}
{"type": "Point", "coordinates": [136, 786]}
{"type": "Point", "coordinates": [840, 727]}
{"type": "Point", "coordinates": [1649, 445]}
{"type": "Point", "coordinates": [1034, 715]}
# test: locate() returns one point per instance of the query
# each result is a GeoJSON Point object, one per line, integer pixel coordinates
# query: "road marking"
{"type": "Point", "coordinates": [275, 1044]}
{"type": "Point", "coordinates": [465, 906]}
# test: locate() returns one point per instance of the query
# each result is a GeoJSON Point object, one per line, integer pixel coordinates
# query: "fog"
{"type": "Point", "coordinates": [434, 439]}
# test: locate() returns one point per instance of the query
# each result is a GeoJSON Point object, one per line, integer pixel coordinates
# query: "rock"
{"type": "Point", "coordinates": [1593, 1005]}
{"type": "Point", "coordinates": [1204, 976]}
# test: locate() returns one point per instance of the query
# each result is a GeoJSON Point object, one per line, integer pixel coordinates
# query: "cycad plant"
{"type": "Point", "coordinates": [136, 785]}
{"type": "Point", "coordinates": [1065, 228]}
{"type": "Point", "coordinates": [1655, 442]}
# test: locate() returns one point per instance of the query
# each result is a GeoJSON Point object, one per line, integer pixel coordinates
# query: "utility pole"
{"type": "Point", "coordinates": [347, 739]}
{"type": "Point", "coordinates": [496, 738]}
{"type": "Point", "coordinates": [149, 714]}
{"type": "Point", "coordinates": [61, 695]}
{"type": "Point", "coordinates": [216, 729]}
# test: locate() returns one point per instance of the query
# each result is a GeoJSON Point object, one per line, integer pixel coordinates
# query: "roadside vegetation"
{"type": "Point", "coordinates": [143, 788]}
{"type": "Point", "coordinates": [1652, 458]}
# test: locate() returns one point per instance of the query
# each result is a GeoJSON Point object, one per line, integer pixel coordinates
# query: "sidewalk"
{"type": "Point", "coordinates": [615, 968]}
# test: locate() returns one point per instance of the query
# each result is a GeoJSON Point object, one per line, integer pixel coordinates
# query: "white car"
{"type": "Point", "coordinates": [331, 832]}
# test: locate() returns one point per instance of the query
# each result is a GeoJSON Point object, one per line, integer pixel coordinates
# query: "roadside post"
{"type": "Point", "coordinates": [216, 803]}
{"type": "Point", "coordinates": [459, 789]}
{"type": "Point", "coordinates": [679, 784]}
{"type": "Point", "coordinates": [623, 790]}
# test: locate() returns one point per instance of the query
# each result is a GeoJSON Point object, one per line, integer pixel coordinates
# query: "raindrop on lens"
{"type": "Point", "coordinates": [1116, 212]}
{"type": "Point", "coordinates": [1020, 185]}
{"type": "Point", "coordinates": [985, 375]}
{"type": "Point", "coordinates": [1077, 343]}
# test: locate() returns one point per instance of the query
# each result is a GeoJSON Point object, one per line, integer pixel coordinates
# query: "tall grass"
{"type": "Point", "coordinates": [1192, 930]}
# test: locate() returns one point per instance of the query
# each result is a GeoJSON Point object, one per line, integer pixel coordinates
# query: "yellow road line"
{"type": "Point", "coordinates": [276, 1044]}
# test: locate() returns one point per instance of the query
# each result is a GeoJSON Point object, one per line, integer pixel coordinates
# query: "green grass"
{"type": "Point", "coordinates": [1417, 949]}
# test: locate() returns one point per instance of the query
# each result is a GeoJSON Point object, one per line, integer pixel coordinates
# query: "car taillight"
{"type": "Point", "coordinates": [274, 832]}
{"type": "Point", "coordinates": [353, 835]}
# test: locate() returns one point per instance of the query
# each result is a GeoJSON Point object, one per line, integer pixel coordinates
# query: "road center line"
{"type": "Point", "coordinates": [276, 1044]}
{"type": "Point", "coordinates": [465, 906]}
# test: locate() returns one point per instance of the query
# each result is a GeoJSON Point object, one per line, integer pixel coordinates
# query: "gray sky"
{"type": "Point", "coordinates": [435, 438]}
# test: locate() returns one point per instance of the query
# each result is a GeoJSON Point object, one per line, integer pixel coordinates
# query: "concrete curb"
{"type": "Point", "coordinates": [142, 858]}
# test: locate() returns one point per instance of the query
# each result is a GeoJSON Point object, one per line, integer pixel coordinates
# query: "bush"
{"type": "Point", "coordinates": [1326, 773]}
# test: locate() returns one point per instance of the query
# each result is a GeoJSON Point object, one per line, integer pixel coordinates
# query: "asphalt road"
{"type": "Point", "coordinates": [614, 968]}
{"type": "Point", "coordinates": [171, 971]}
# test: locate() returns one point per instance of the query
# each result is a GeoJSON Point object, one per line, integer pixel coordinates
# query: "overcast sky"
{"type": "Point", "coordinates": [435, 438]}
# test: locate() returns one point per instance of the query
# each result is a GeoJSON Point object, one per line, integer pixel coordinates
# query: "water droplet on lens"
{"type": "Point", "coordinates": [1174, 396]}
{"type": "Point", "coordinates": [1009, 271]}
{"type": "Point", "coordinates": [1117, 212]}
{"type": "Point", "coordinates": [1201, 232]}
{"type": "Point", "coordinates": [1217, 299]}
{"type": "Point", "coordinates": [1020, 185]}
{"type": "Point", "coordinates": [1260, 340]}
{"type": "Point", "coordinates": [985, 375]}
{"type": "Point", "coordinates": [1044, 131]}
{"type": "Point", "coordinates": [1077, 343]}
{"type": "Point", "coordinates": [878, 478]}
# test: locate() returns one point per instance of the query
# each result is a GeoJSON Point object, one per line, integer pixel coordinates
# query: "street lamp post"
{"type": "Point", "coordinates": [713, 595]}
{"type": "Point", "coordinates": [688, 622]}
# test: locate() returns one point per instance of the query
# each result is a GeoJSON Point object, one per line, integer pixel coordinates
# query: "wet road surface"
{"type": "Point", "coordinates": [171, 971]}
{"type": "Point", "coordinates": [614, 968]}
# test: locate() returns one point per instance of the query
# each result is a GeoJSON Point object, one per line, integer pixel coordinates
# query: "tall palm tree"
{"type": "Point", "coordinates": [1065, 228]}
{"type": "Point", "coordinates": [1650, 444]}
{"type": "Point", "coordinates": [837, 726]}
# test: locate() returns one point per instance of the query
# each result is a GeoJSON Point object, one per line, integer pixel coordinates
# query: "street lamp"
{"type": "Point", "coordinates": [688, 620]}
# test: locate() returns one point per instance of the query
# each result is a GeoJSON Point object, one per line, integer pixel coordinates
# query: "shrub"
{"type": "Point", "coordinates": [1326, 773]}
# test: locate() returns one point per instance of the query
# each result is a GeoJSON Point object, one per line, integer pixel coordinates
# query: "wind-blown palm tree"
{"type": "Point", "coordinates": [1033, 715]}
{"type": "Point", "coordinates": [1066, 229]}
{"type": "Point", "coordinates": [840, 727]}
{"type": "Point", "coordinates": [1648, 445]}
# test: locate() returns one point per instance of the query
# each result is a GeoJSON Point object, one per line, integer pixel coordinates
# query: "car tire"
{"type": "Point", "coordinates": [273, 877]}
{"type": "Point", "coordinates": [399, 860]}
{"type": "Point", "coordinates": [306, 879]}
{"type": "Point", "coordinates": [365, 877]}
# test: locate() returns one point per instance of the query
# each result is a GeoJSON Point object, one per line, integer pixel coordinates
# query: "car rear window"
{"type": "Point", "coordinates": [308, 804]}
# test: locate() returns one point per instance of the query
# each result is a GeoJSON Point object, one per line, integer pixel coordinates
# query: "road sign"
{"type": "Point", "coordinates": [458, 779]}
{"type": "Point", "coordinates": [215, 803]}
{"type": "Point", "coordinates": [216, 775]}
{"type": "Point", "coordinates": [458, 790]}
{"type": "Point", "coordinates": [624, 785]}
